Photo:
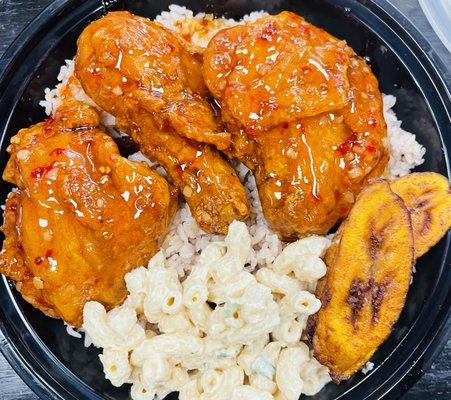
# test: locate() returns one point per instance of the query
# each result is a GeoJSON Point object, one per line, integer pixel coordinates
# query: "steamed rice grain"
{"type": "Point", "coordinates": [405, 152]}
{"type": "Point", "coordinates": [199, 28]}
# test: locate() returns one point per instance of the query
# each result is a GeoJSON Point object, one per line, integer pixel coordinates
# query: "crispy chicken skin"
{"type": "Point", "coordinates": [305, 115]}
{"type": "Point", "coordinates": [140, 72]}
{"type": "Point", "coordinates": [82, 215]}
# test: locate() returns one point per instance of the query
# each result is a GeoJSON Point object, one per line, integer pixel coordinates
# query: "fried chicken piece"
{"type": "Point", "coordinates": [299, 183]}
{"type": "Point", "coordinates": [82, 215]}
{"type": "Point", "coordinates": [140, 72]}
{"type": "Point", "coordinates": [305, 115]}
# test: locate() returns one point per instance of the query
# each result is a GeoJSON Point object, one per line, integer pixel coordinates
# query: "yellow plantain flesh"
{"type": "Point", "coordinates": [369, 270]}
{"type": "Point", "coordinates": [427, 197]}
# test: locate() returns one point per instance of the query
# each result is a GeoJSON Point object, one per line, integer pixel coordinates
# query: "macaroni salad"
{"type": "Point", "coordinates": [223, 333]}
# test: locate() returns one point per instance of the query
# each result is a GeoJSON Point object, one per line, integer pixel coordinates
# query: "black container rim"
{"type": "Point", "coordinates": [44, 384]}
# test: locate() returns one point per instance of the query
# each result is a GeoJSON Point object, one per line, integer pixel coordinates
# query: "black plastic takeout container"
{"type": "Point", "coordinates": [57, 366]}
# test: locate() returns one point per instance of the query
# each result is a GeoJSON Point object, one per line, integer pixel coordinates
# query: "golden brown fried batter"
{"type": "Point", "coordinates": [82, 216]}
{"type": "Point", "coordinates": [276, 70]}
{"type": "Point", "coordinates": [301, 191]}
{"type": "Point", "coordinates": [140, 72]}
{"type": "Point", "coordinates": [305, 115]}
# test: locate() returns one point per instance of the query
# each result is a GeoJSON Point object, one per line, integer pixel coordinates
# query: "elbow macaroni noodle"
{"type": "Point", "coordinates": [221, 334]}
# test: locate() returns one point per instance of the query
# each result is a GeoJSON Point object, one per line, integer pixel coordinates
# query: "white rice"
{"type": "Point", "coordinates": [71, 331]}
{"type": "Point", "coordinates": [140, 157]}
{"type": "Point", "coordinates": [52, 97]}
{"type": "Point", "coordinates": [185, 239]}
{"type": "Point", "coordinates": [183, 21]}
{"type": "Point", "coordinates": [369, 366]}
{"type": "Point", "coordinates": [405, 152]}
{"type": "Point", "coordinates": [177, 14]}
{"type": "Point", "coordinates": [87, 340]}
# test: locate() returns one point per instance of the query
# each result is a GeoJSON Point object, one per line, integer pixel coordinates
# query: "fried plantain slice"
{"type": "Point", "coordinates": [428, 198]}
{"type": "Point", "coordinates": [329, 258]}
{"type": "Point", "coordinates": [363, 292]}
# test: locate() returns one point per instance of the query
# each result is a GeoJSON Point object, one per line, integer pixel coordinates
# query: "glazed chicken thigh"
{"type": "Point", "coordinates": [82, 215]}
{"type": "Point", "coordinates": [305, 115]}
{"type": "Point", "coordinates": [140, 72]}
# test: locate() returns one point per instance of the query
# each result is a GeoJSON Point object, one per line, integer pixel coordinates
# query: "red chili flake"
{"type": "Point", "coordinates": [268, 33]}
{"type": "Point", "coordinates": [48, 124]}
{"type": "Point", "coordinates": [38, 260]}
{"type": "Point", "coordinates": [48, 253]}
{"type": "Point", "coordinates": [304, 29]}
{"type": "Point", "coordinates": [97, 72]}
{"type": "Point", "coordinates": [12, 206]}
{"type": "Point", "coordinates": [285, 125]}
{"type": "Point", "coordinates": [252, 130]}
{"type": "Point", "coordinates": [57, 152]}
{"type": "Point", "coordinates": [305, 69]}
{"type": "Point", "coordinates": [370, 149]}
{"type": "Point", "coordinates": [345, 146]}
{"type": "Point", "coordinates": [39, 172]}
{"type": "Point", "coordinates": [169, 47]}
{"type": "Point", "coordinates": [372, 121]}
{"type": "Point", "coordinates": [268, 106]}
{"type": "Point", "coordinates": [178, 169]}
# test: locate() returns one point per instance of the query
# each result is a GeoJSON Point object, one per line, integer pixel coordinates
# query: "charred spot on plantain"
{"type": "Point", "coordinates": [359, 291]}
{"type": "Point", "coordinates": [336, 377]}
{"type": "Point", "coordinates": [313, 319]}
{"type": "Point", "coordinates": [356, 298]}
{"type": "Point", "coordinates": [311, 326]}
{"type": "Point", "coordinates": [378, 291]}
{"type": "Point", "coordinates": [423, 203]}
{"type": "Point", "coordinates": [374, 244]}
{"type": "Point", "coordinates": [326, 298]}
{"type": "Point", "coordinates": [427, 221]}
